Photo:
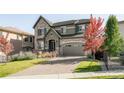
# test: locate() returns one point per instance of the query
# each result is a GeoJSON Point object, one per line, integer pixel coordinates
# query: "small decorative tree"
{"type": "Point", "coordinates": [94, 35]}
{"type": "Point", "coordinates": [5, 46]}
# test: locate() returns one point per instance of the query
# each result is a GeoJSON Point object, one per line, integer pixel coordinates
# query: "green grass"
{"type": "Point", "coordinates": [88, 66]}
{"type": "Point", "coordinates": [107, 77]}
{"type": "Point", "coordinates": [15, 66]}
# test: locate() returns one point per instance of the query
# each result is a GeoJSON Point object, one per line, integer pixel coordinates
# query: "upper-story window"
{"type": "Point", "coordinates": [80, 28]}
{"type": "Point", "coordinates": [41, 31]}
{"type": "Point", "coordinates": [63, 29]}
{"type": "Point", "coordinates": [31, 39]}
{"type": "Point", "coordinates": [0, 32]}
{"type": "Point", "coordinates": [26, 39]}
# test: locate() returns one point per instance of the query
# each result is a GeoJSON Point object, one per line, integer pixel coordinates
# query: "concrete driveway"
{"type": "Point", "coordinates": [58, 65]}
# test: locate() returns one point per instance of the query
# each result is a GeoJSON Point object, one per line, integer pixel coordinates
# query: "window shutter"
{"type": "Point", "coordinates": [77, 28]}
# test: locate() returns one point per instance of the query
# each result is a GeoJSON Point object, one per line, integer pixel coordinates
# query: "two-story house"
{"type": "Point", "coordinates": [64, 37]}
{"type": "Point", "coordinates": [21, 40]}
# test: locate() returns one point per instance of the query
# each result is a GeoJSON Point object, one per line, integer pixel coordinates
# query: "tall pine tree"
{"type": "Point", "coordinates": [113, 38]}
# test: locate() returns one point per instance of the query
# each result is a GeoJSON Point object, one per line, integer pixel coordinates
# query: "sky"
{"type": "Point", "coordinates": [26, 21]}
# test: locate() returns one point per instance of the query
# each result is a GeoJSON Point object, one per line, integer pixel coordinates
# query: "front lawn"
{"type": "Point", "coordinates": [15, 66]}
{"type": "Point", "coordinates": [107, 77]}
{"type": "Point", "coordinates": [88, 66]}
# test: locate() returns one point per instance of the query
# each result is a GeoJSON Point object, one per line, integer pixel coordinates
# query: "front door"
{"type": "Point", "coordinates": [52, 45]}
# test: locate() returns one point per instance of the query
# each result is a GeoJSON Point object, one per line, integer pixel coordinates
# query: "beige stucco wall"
{"type": "Point", "coordinates": [11, 36]}
{"type": "Point", "coordinates": [16, 40]}
{"type": "Point", "coordinates": [39, 25]}
{"type": "Point", "coordinates": [2, 54]}
{"type": "Point", "coordinates": [121, 28]}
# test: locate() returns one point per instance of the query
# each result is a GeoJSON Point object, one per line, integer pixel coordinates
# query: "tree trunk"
{"type": "Point", "coordinates": [109, 57]}
{"type": "Point", "coordinates": [106, 60]}
{"type": "Point", "coordinates": [93, 56]}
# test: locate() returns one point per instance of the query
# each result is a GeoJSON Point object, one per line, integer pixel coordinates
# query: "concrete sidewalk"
{"type": "Point", "coordinates": [67, 58]}
{"type": "Point", "coordinates": [69, 75]}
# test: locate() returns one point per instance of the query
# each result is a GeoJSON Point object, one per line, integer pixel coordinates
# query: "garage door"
{"type": "Point", "coordinates": [73, 49]}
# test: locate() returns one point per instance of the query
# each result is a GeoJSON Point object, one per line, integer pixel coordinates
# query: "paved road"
{"type": "Point", "coordinates": [54, 66]}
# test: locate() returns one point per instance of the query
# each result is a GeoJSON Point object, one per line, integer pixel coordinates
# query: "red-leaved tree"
{"type": "Point", "coordinates": [94, 35]}
{"type": "Point", "coordinates": [5, 46]}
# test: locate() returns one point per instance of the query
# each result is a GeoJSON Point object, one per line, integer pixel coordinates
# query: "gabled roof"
{"type": "Point", "coordinates": [69, 22]}
{"type": "Point", "coordinates": [41, 17]}
{"type": "Point", "coordinates": [54, 32]}
{"type": "Point", "coordinates": [14, 30]}
{"type": "Point", "coordinates": [62, 23]}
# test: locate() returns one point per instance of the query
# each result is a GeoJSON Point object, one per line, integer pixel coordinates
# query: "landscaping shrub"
{"type": "Point", "coordinates": [20, 58]}
{"type": "Point", "coordinates": [49, 54]}
{"type": "Point", "coordinates": [24, 56]}
{"type": "Point", "coordinates": [89, 56]}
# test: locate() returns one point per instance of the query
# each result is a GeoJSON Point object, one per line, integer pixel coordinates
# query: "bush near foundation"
{"type": "Point", "coordinates": [23, 56]}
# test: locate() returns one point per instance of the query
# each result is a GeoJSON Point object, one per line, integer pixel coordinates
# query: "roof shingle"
{"type": "Point", "coordinates": [14, 30]}
{"type": "Point", "coordinates": [69, 22]}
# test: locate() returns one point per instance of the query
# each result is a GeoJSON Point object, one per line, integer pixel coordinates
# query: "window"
{"type": "Point", "coordinates": [68, 45]}
{"type": "Point", "coordinates": [41, 31]}
{"type": "Point", "coordinates": [31, 39]}
{"type": "Point", "coordinates": [40, 45]}
{"type": "Point", "coordinates": [17, 37]}
{"type": "Point", "coordinates": [26, 39]}
{"type": "Point", "coordinates": [80, 28]}
{"type": "Point", "coordinates": [63, 29]}
{"type": "Point", "coordinates": [0, 32]}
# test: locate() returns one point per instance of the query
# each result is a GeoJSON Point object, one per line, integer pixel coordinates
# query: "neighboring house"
{"type": "Point", "coordinates": [22, 41]}
{"type": "Point", "coordinates": [66, 37]}
{"type": "Point", "coordinates": [121, 28]}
